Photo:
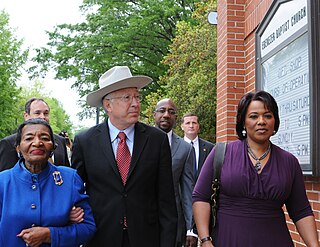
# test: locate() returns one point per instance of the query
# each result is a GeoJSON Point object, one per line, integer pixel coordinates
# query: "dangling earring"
{"type": "Point", "coordinates": [244, 132]}
{"type": "Point", "coordinates": [20, 155]}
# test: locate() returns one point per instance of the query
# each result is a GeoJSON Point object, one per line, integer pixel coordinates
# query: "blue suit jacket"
{"type": "Point", "coordinates": [28, 200]}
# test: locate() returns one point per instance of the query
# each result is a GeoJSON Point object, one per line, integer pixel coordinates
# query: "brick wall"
{"type": "Point", "coordinates": [230, 65]}
{"type": "Point", "coordinates": [237, 23]}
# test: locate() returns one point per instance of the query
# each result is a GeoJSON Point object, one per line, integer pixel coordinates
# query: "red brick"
{"type": "Point", "coordinates": [314, 196]}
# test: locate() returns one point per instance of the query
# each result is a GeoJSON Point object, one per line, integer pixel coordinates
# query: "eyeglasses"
{"type": "Point", "coordinates": [127, 98]}
{"type": "Point", "coordinates": [163, 111]}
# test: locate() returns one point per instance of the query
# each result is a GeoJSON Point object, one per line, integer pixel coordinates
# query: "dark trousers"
{"type": "Point", "coordinates": [179, 244]}
{"type": "Point", "coordinates": [125, 239]}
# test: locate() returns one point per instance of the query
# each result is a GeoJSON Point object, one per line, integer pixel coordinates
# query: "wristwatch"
{"type": "Point", "coordinates": [206, 239]}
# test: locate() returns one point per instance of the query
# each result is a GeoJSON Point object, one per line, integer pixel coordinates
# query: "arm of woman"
{"type": "Point", "coordinates": [201, 214]}
{"type": "Point", "coordinates": [201, 199]}
{"type": "Point", "coordinates": [299, 208]}
{"type": "Point", "coordinates": [75, 233]}
{"type": "Point", "coordinates": [308, 231]}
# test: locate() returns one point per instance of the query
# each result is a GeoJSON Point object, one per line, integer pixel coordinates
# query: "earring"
{"type": "Point", "coordinates": [244, 132]}
{"type": "Point", "coordinates": [51, 154]}
{"type": "Point", "coordinates": [20, 155]}
{"type": "Point", "coordinates": [274, 132]}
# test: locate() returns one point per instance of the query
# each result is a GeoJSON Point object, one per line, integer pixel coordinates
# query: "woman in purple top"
{"type": "Point", "coordinates": [257, 179]}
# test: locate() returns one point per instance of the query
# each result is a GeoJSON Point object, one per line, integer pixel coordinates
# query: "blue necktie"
{"type": "Point", "coordinates": [194, 161]}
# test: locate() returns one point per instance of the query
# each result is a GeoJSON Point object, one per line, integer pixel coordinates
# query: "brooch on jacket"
{"type": "Point", "coordinates": [57, 178]}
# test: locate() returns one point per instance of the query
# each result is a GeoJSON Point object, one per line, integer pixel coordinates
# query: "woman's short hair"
{"type": "Point", "coordinates": [268, 101]}
{"type": "Point", "coordinates": [31, 122]}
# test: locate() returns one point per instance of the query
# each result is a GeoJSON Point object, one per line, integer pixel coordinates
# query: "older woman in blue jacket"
{"type": "Point", "coordinates": [36, 197]}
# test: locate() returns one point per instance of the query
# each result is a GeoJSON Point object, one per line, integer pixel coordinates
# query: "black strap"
{"type": "Point", "coordinates": [218, 159]}
{"type": "Point", "coordinates": [220, 150]}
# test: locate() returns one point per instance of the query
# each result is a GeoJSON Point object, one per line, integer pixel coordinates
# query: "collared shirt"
{"type": "Point", "coordinates": [114, 131]}
{"type": "Point", "coordinates": [196, 147]}
{"type": "Point", "coordinates": [169, 134]}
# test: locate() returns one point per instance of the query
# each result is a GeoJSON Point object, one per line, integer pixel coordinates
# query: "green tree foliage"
{"type": "Point", "coordinates": [133, 33]}
{"type": "Point", "coordinates": [191, 78]}
{"type": "Point", "coordinates": [11, 60]}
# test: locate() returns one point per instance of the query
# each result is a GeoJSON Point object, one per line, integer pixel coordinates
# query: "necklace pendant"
{"type": "Point", "coordinates": [257, 166]}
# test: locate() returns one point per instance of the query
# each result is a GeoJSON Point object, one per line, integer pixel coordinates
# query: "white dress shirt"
{"type": "Point", "coordinates": [169, 134]}
{"type": "Point", "coordinates": [196, 147]}
{"type": "Point", "coordinates": [114, 131]}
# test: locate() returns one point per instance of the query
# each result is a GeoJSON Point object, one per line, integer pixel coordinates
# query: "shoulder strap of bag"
{"type": "Point", "coordinates": [218, 159]}
{"type": "Point", "coordinates": [220, 150]}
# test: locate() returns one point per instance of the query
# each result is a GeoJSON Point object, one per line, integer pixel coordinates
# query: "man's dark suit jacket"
{"type": "Point", "coordinates": [147, 199]}
{"type": "Point", "coordinates": [205, 148]}
{"type": "Point", "coordinates": [9, 156]}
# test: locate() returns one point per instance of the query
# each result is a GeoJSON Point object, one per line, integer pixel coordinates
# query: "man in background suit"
{"type": "Point", "coordinates": [165, 116]}
{"type": "Point", "coordinates": [134, 209]}
{"type": "Point", "coordinates": [190, 126]}
{"type": "Point", "coordinates": [34, 108]}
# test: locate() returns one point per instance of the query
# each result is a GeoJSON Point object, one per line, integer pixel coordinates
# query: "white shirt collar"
{"type": "Point", "coordinates": [114, 131]}
{"type": "Point", "coordinates": [189, 141]}
{"type": "Point", "coordinates": [170, 136]}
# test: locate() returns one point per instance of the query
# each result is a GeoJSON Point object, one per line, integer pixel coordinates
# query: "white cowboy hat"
{"type": "Point", "coordinates": [116, 78]}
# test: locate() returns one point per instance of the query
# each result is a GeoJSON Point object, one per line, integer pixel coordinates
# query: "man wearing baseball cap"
{"type": "Point", "coordinates": [126, 166]}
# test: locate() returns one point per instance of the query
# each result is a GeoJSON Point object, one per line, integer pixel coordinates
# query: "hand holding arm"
{"type": "Point", "coordinates": [76, 233]}
{"type": "Point", "coordinates": [76, 215]}
{"type": "Point", "coordinates": [35, 236]}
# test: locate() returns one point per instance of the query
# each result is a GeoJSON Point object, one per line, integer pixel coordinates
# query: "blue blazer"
{"type": "Point", "coordinates": [28, 200]}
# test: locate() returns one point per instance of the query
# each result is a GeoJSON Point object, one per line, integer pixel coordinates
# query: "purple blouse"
{"type": "Point", "coordinates": [250, 204]}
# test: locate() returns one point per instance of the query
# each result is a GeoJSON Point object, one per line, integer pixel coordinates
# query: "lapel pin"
{"type": "Point", "coordinates": [57, 178]}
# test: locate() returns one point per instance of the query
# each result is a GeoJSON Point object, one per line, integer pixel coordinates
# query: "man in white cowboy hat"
{"type": "Point", "coordinates": [128, 176]}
